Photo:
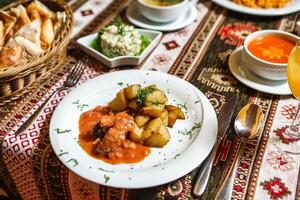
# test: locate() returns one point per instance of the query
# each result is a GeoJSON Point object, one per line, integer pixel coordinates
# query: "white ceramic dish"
{"type": "Point", "coordinates": [162, 165]}
{"type": "Point", "coordinates": [241, 72]}
{"type": "Point", "coordinates": [262, 68]}
{"type": "Point", "coordinates": [294, 6]}
{"type": "Point", "coordinates": [85, 42]}
{"type": "Point", "coordinates": [162, 14]}
{"type": "Point", "coordinates": [136, 18]}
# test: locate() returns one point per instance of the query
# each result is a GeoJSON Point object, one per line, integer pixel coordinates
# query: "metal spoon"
{"type": "Point", "coordinates": [246, 125]}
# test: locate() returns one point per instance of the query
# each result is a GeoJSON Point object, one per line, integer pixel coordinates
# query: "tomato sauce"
{"type": "Point", "coordinates": [271, 48]}
{"type": "Point", "coordinates": [87, 121]}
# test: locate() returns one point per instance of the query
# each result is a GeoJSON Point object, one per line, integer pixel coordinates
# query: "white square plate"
{"type": "Point", "coordinates": [85, 42]}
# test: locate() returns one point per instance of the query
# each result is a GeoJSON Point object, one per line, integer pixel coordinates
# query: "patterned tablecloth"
{"type": "Point", "coordinates": [29, 169]}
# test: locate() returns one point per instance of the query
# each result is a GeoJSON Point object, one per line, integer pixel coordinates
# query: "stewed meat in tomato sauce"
{"type": "Point", "coordinates": [104, 135]}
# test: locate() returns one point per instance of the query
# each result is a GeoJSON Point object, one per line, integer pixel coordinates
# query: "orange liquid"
{"type": "Point", "coordinates": [86, 122]}
{"type": "Point", "coordinates": [293, 71]}
{"type": "Point", "coordinates": [130, 155]}
{"type": "Point", "coordinates": [270, 48]}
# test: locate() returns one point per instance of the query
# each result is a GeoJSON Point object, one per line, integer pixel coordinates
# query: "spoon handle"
{"type": "Point", "coordinates": [225, 191]}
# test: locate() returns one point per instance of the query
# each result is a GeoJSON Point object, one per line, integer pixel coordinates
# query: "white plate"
{"type": "Point", "coordinates": [180, 156]}
{"type": "Point", "coordinates": [294, 6]}
{"type": "Point", "coordinates": [85, 42]}
{"type": "Point", "coordinates": [137, 19]}
{"type": "Point", "coordinates": [253, 81]}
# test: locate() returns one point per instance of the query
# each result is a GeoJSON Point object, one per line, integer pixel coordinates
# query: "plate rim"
{"type": "Point", "coordinates": [212, 129]}
{"type": "Point", "coordinates": [259, 12]}
{"type": "Point", "coordinates": [233, 68]}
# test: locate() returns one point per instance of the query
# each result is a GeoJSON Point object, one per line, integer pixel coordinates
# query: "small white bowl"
{"type": "Point", "coordinates": [85, 42]}
{"type": "Point", "coordinates": [162, 14]}
{"type": "Point", "coordinates": [262, 68]}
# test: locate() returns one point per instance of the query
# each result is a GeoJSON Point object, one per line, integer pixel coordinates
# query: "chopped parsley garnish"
{"type": "Point", "coordinates": [120, 84]}
{"type": "Point", "coordinates": [176, 155]}
{"type": "Point", "coordinates": [63, 153]}
{"type": "Point", "coordinates": [184, 106]}
{"type": "Point", "coordinates": [104, 170]}
{"type": "Point", "coordinates": [106, 178]}
{"type": "Point", "coordinates": [142, 94]}
{"type": "Point", "coordinates": [75, 162]}
{"type": "Point", "coordinates": [80, 105]}
{"type": "Point", "coordinates": [155, 103]}
{"type": "Point", "coordinates": [59, 131]}
{"type": "Point", "coordinates": [190, 132]}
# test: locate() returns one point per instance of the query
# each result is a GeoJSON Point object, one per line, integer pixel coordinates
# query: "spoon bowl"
{"type": "Point", "coordinates": [247, 121]}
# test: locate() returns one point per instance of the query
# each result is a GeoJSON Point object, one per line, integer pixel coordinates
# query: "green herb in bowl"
{"type": "Point", "coordinates": [145, 43]}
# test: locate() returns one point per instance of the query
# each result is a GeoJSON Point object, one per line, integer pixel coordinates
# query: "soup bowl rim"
{"type": "Point", "coordinates": [163, 7]}
{"type": "Point", "coordinates": [265, 32]}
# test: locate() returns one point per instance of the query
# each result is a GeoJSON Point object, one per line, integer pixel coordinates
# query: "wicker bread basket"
{"type": "Point", "coordinates": [18, 79]}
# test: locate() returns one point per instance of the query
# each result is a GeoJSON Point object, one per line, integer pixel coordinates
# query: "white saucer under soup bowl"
{"type": "Point", "coordinates": [263, 68]}
{"type": "Point", "coordinates": [136, 18]}
{"type": "Point", "coordinates": [242, 73]}
{"type": "Point", "coordinates": [162, 14]}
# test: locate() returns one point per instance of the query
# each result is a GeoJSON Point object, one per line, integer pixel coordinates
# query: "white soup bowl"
{"type": "Point", "coordinates": [260, 67]}
{"type": "Point", "coordinates": [162, 14]}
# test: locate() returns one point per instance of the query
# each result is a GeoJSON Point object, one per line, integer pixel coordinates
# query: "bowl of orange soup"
{"type": "Point", "coordinates": [266, 53]}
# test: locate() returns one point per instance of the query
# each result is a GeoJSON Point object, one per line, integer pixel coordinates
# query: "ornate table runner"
{"type": "Point", "coordinates": [197, 53]}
